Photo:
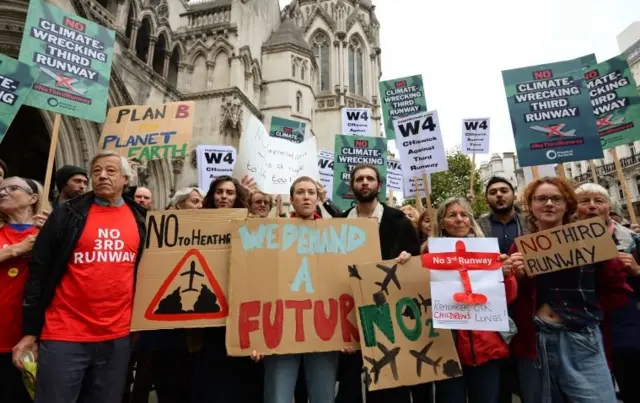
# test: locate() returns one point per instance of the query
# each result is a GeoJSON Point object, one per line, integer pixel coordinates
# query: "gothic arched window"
{"type": "Point", "coordinates": [299, 102]}
{"type": "Point", "coordinates": [356, 67]}
{"type": "Point", "coordinates": [303, 73]}
{"type": "Point", "coordinates": [320, 45]}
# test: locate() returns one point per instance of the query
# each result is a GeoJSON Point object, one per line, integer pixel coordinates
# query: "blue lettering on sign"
{"type": "Point", "coordinates": [137, 140]}
{"type": "Point", "coordinates": [321, 241]}
{"type": "Point", "coordinates": [303, 276]}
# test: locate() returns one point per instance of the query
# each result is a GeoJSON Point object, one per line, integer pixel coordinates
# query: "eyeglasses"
{"type": "Point", "coordinates": [261, 202]}
{"type": "Point", "coordinates": [15, 188]}
{"type": "Point", "coordinates": [556, 200]}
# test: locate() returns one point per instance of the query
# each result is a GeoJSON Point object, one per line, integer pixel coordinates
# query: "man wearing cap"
{"type": "Point", "coordinates": [71, 181]}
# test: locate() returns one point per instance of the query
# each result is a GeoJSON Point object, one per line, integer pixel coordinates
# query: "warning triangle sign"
{"type": "Point", "coordinates": [190, 292]}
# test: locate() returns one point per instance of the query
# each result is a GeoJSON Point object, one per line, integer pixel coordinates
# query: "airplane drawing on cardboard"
{"type": "Point", "coordinates": [199, 297]}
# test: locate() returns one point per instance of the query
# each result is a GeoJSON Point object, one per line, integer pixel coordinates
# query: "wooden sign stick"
{"type": "Point", "coordinates": [561, 171]}
{"type": "Point", "coordinates": [425, 183]}
{"type": "Point", "coordinates": [592, 168]}
{"type": "Point", "coordinates": [52, 155]}
{"type": "Point", "coordinates": [535, 173]}
{"type": "Point", "coordinates": [473, 174]}
{"type": "Point", "coordinates": [623, 184]}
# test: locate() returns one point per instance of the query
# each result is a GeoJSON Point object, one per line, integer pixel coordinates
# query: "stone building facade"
{"type": "Point", "coordinates": [234, 58]}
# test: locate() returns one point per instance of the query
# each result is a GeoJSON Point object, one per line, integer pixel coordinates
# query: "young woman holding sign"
{"type": "Point", "coordinates": [559, 346]}
{"type": "Point", "coordinates": [480, 352]}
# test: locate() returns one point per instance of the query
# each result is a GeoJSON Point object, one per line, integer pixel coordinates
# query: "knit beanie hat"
{"type": "Point", "coordinates": [65, 173]}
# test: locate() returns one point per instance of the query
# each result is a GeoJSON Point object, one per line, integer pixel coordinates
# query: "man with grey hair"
{"type": "Point", "coordinates": [78, 300]}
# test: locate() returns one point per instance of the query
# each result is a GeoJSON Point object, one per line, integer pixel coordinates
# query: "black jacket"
{"type": "Point", "coordinates": [51, 253]}
{"type": "Point", "coordinates": [397, 234]}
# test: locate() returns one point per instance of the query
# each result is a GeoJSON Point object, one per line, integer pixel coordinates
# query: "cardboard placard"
{"type": "Point", "coordinates": [356, 121]}
{"type": "Point", "coordinates": [565, 247]}
{"type": "Point", "coordinates": [419, 142]}
{"type": "Point", "coordinates": [213, 162]}
{"type": "Point", "coordinates": [16, 79]}
{"type": "Point", "coordinates": [149, 132]}
{"type": "Point", "coordinates": [394, 175]}
{"type": "Point", "coordinates": [75, 57]}
{"type": "Point", "coordinates": [475, 136]}
{"type": "Point", "coordinates": [401, 97]}
{"type": "Point", "coordinates": [400, 346]}
{"type": "Point", "coordinates": [183, 273]}
{"type": "Point", "coordinates": [289, 288]}
{"type": "Point", "coordinates": [325, 169]}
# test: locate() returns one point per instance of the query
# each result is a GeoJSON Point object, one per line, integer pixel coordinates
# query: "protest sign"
{"type": "Point", "coordinates": [214, 161]}
{"type": "Point", "coordinates": [565, 247]}
{"type": "Point", "coordinates": [399, 98]}
{"type": "Point", "coordinates": [356, 121]}
{"type": "Point", "coordinates": [325, 168]}
{"type": "Point", "coordinates": [551, 113]}
{"type": "Point", "coordinates": [394, 175]}
{"type": "Point", "coordinates": [475, 136]}
{"type": "Point", "coordinates": [349, 152]}
{"type": "Point", "coordinates": [74, 56]}
{"type": "Point", "coordinates": [415, 185]}
{"type": "Point", "coordinates": [616, 102]}
{"type": "Point", "coordinates": [184, 270]}
{"type": "Point", "coordinates": [467, 284]}
{"type": "Point", "coordinates": [149, 132]}
{"type": "Point", "coordinates": [419, 143]}
{"type": "Point", "coordinates": [400, 346]}
{"type": "Point", "coordinates": [16, 79]}
{"type": "Point", "coordinates": [274, 163]}
{"type": "Point", "coordinates": [287, 129]}
{"type": "Point", "coordinates": [289, 285]}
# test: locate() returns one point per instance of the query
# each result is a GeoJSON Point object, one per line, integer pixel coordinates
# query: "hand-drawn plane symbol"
{"type": "Point", "coordinates": [422, 358]}
{"type": "Point", "coordinates": [388, 358]}
{"type": "Point", "coordinates": [390, 276]}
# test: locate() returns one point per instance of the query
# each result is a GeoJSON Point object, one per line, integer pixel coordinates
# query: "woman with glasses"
{"type": "Point", "coordinates": [260, 204]}
{"type": "Point", "coordinates": [20, 200]}
{"type": "Point", "coordinates": [559, 345]}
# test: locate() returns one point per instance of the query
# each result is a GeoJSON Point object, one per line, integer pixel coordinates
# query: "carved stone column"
{"type": "Point", "coordinates": [165, 68]}
{"type": "Point", "coordinates": [182, 67]}
{"type": "Point", "coordinates": [188, 78]}
{"type": "Point", "coordinates": [134, 34]}
{"type": "Point", "coordinates": [209, 79]}
{"type": "Point", "coordinates": [152, 48]}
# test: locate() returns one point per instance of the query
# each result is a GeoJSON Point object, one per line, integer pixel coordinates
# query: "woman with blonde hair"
{"type": "Point", "coordinates": [20, 201]}
{"type": "Point", "coordinates": [480, 352]}
{"type": "Point", "coordinates": [188, 198]}
{"type": "Point", "coordinates": [412, 214]}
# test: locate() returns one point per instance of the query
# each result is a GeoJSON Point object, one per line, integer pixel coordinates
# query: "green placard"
{"type": "Point", "coordinates": [551, 113]}
{"type": "Point", "coordinates": [616, 102]}
{"type": "Point", "coordinates": [353, 150]}
{"type": "Point", "coordinates": [287, 129]}
{"type": "Point", "coordinates": [16, 79]}
{"type": "Point", "coordinates": [399, 98]}
{"type": "Point", "coordinates": [74, 56]}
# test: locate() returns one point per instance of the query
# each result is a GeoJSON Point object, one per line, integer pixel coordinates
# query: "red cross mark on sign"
{"type": "Point", "coordinates": [554, 130]}
{"type": "Point", "coordinates": [604, 122]}
{"type": "Point", "coordinates": [64, 81]}
{"type": "Point", "coordinates": [463, 261]}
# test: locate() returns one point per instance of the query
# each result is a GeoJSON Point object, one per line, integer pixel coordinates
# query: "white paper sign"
{"type": "Point", "coordinates": [214, 161]}
{"type": "Point", "coordinates": [419, 142]}
{"type": "Point", "coordinates": [394, 175]}
{"type": "Point", "coordinates": [449, 314]}
{"type": "Point", "coordinates": [475, 136]}
{"type": "Point", "coordinates": [274, 163]}
{"type": "Point", "coordinates": [325, 168]}
{"type": "Point", "coordinates": [543, 170]}
{"type": "Point", "coordinates": [356, 121]}
{"type": "Point", "coordinates": [416, 185]}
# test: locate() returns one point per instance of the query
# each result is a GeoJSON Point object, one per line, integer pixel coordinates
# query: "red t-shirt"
{"type": "Point", "coordinates": [94, 299]}
{"type": "Point", "coordinates": [13, 276]}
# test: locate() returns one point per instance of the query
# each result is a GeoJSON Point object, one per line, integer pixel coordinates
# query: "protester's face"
{"type": "Point", "coordinates": [144, 198]}
{"type": "Point", "coordinates": [76, 186]}
{"type": "Point", "coordinates": [616, 218]}
{"type": "Point", "coordinates": [410, 213]}
{"type": "Point", "coordinates": [548, 205]}
{"type": "Point", "coordinates": [425, 225]}
{"type": "Point", "coordinates": [457, 222]}
{"type": "Point", "coordinates": [260, 205]}
{"type": "Point", "coordinates": [305, 199]}
{"type": "Point", "coordinates": [16, 195]}
{"type": "Point", "coordinates": [591, 205]}
{"type": "Point", "coordinates": [107, 177]}
{"type": "Point", "coordinates": [500, 198]}
{"type": "Point", "coordinates": [194, 201]}
{"type": "Point", "coordinates": [225, 195]}
{"type": "Point", "coordinates": [365, 185]}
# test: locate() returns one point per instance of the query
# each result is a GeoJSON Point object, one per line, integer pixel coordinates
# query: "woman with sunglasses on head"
{"type": "Point", "coordinates": [20, 200]}
{"type": "Point", "coordinates": [559, 346]}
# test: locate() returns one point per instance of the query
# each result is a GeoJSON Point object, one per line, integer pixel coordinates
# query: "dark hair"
{"type": "Point", "coordinates": [241, 193]}
{"type": "Point", "coordinates": [301, 179]}
{"type": "Point", "coordinates": [565, 188]}
{"type": "Point", "coordinates": [360, 167]}
{"type": "Point", "coordinates": [498, 179]}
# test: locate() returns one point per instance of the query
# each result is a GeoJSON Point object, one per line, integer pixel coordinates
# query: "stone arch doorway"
{"type": "Point", "coordinates": [25, 148]}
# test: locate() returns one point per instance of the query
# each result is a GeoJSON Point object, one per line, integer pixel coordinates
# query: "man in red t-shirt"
{"type": "Point", "coordinates": [79, 296]}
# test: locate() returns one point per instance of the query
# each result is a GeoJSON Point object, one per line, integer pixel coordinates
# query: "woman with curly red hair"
{"type": "Point", "coordinates": [559, 345]}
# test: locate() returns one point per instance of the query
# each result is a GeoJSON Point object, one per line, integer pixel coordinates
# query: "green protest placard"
{"type": "Point", "coordinates": [551, 113]}
{"type": "Point", "coordinates": [16, 79]}
{"type": "Point", "coordinates": [399, 98]}
{"type": "Point", "coordinates": [349, 152]}
{"type": "Point", "coordinates": [74, 56]}
{"type": "Point", "coordinates": [287, 129]}
{"type": "Point", "coordinates": [615, 101]}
